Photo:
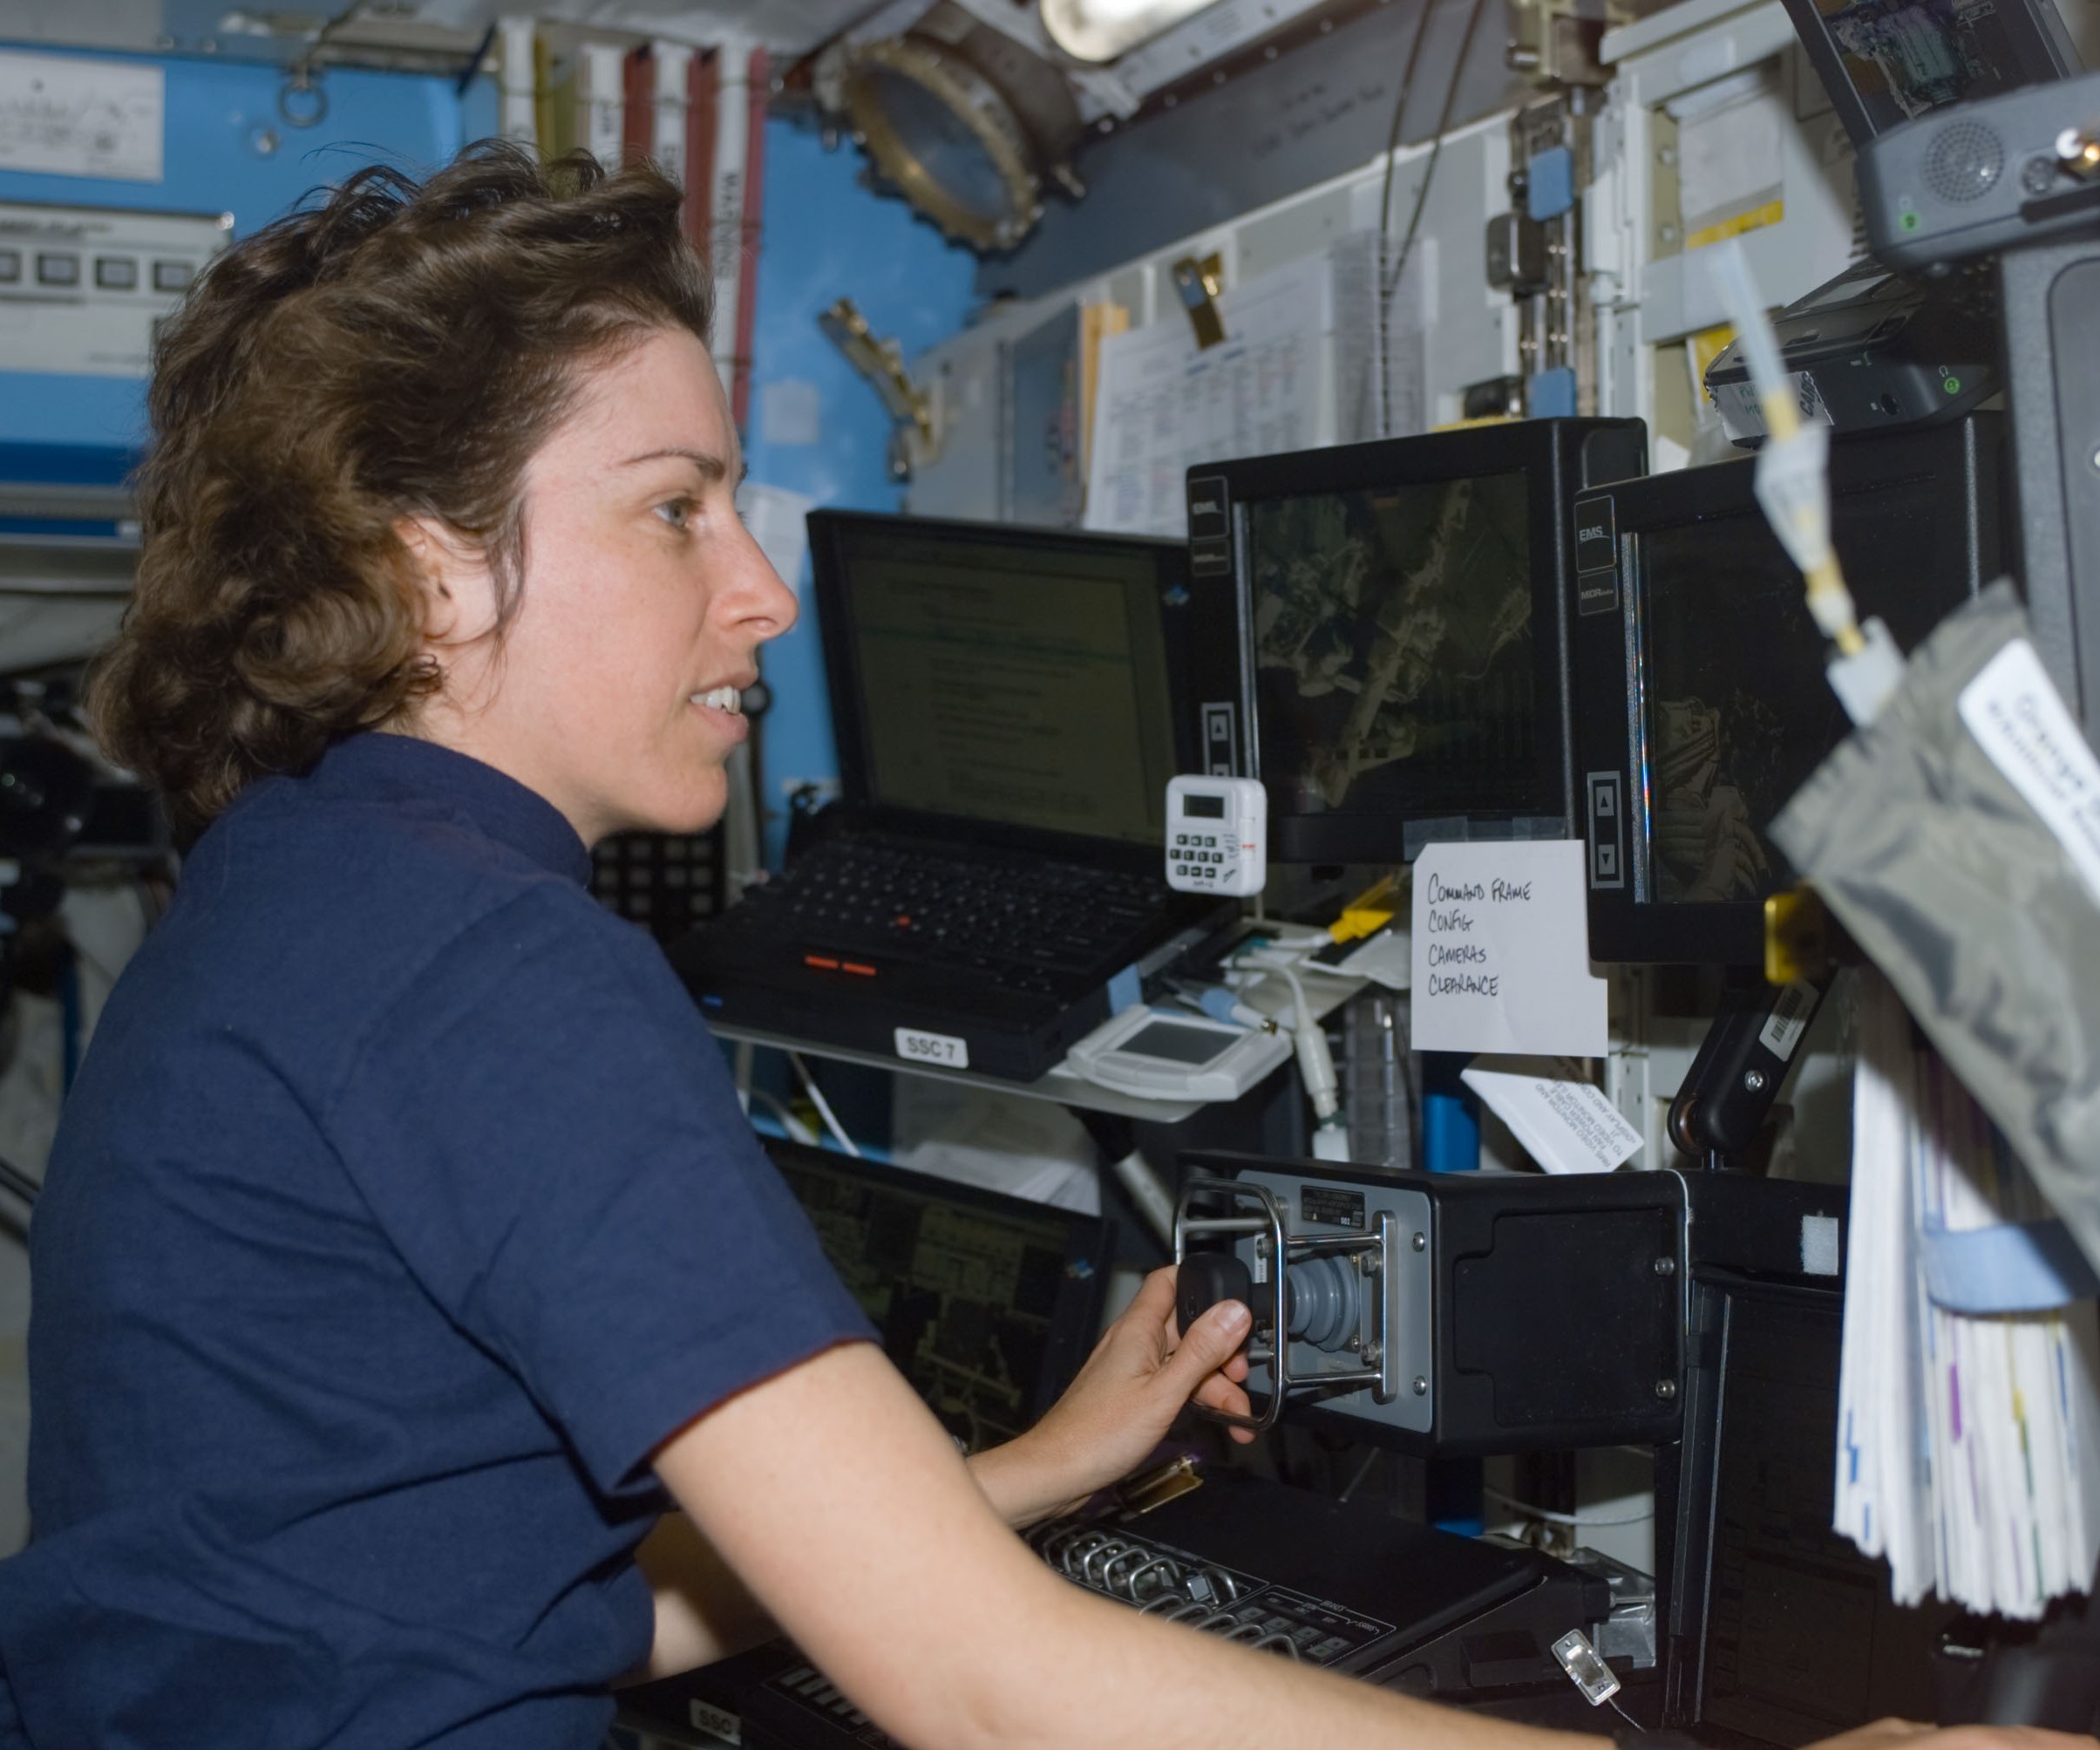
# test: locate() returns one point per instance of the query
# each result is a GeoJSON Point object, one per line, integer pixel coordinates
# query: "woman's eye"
{"type": "Point", "coordinates": [677, 512]}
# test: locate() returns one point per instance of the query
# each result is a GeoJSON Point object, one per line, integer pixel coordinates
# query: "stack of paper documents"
{"type": "Point", "coordinates": [1969, 1435]}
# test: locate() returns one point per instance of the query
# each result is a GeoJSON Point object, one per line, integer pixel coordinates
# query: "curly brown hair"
{"type": "Point", "coordinates": [398, 349]}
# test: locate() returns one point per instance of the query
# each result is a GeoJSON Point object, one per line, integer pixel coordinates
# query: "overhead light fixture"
{"type": "Point", "coordinates": [1103, 30]}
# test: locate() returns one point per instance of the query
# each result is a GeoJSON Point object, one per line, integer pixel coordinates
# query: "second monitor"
{"type": "Point", "coordinates": [1381, 632]}
{"type": "Point", "coordinates": [1702, 704]}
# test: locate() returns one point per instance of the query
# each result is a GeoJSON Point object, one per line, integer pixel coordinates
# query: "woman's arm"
{"type": "Point", "coordinates": [1115, 1413]}
{"type": "Point", "coordinates": [703, 1612]}
{"type": "Point", "coordinates": [838, 1500]}
{"type": "Point", "coordinates": [841, 1503]}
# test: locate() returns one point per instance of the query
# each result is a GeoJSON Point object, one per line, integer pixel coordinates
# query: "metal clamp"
{"type": "Point", "coordinates": [1376, 1248]}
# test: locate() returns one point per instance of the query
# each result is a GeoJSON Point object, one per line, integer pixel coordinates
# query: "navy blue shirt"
{"type": "Point", "coordinates": [401, 1209]}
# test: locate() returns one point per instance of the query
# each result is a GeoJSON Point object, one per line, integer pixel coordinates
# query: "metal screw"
{"type": "Point", "coordinates": [1666, 1266]}
{"type": "Point", "coordinates": [1371, 1354]}
{"type": "Point", "coordinates": [1421, 1386]}
{"type": "Point", "coordinates": [1421, 1242]}
{"type": "Point", "coordinates": [1263, 1245]}
{"type": "Point", "coordinates": [1666, 1389]}
{"type": "Point", "coordinates": [1754, 1080]}
{"type": "Point", "coordinates": [1354, 1345]}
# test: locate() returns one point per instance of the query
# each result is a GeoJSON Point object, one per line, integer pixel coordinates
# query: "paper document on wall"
{"type": "Point", "coordinates": [1160, 404]}
{"type": "Point", "coordinates": [1381, 356]}
{"type": "Point", "coordinates": [1564, 1121]}
{"type": "Point", "coordinates": [1501, 951]}
{"type": "Point", "coordinates": [1968, 1443]}
{"type": "Point", "coordinates": [82, 117]}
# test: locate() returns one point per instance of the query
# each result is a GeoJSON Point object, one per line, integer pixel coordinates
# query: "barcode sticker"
{"type": "Point", "coordinates": [1789, 1020]}
{"type": "Point", "coordinates": [932, 1048]}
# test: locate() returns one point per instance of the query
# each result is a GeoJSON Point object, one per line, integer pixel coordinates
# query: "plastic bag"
{"type": "Point", "coordinates": [1957, 839]}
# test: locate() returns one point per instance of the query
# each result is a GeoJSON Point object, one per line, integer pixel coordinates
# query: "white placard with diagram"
{"type": "Point", "coordinates": [69, 116]}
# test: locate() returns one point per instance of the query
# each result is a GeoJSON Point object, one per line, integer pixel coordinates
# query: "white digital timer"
{"type": "Point", "coordinates": [1217, 835]}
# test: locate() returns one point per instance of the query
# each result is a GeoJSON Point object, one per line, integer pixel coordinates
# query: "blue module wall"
{"type": "Point", "coordinates": [825, 238]}
{"type": "Point", "coordinates": [214, 111]}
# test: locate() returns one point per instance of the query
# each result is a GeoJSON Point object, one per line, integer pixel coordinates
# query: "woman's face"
{"type": "Point", "coordinates": [644, 598]}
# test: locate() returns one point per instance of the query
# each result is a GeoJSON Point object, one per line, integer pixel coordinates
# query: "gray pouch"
{"type": "Point", "coordinates": [1974, 895]}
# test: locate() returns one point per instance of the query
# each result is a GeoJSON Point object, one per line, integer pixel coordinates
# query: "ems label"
{"type": "Point", "coordinates": [932, 1048]}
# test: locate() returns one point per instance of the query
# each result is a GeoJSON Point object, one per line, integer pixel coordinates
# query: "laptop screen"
{"type": "Point", "coordinates": [1011, 675]}
{"type": "Point", "coordinates": [987, 1304]}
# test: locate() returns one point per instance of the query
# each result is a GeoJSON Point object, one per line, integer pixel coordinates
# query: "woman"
{"type": "Point", "coordinates": [403, 1242]}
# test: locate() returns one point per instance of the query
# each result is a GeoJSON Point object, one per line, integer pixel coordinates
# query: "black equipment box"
{"type": "Point", "coordinates": [1521, 1312]}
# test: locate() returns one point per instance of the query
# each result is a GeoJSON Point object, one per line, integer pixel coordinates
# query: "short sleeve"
{"type": "Point", "coordinates": [546, 1133]}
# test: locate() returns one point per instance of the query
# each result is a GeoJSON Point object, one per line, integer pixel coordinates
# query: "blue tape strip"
{"type": "Point", "coordinates": [1126, 990]}
{"type": "Point", "coordinates": [2021, 1267]}
{"type": "Point", "coordinates": [1550, 395]}
{"type": "Point", "coordinates": [1549, 183]}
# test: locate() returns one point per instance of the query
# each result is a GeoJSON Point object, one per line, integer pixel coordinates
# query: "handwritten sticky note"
{"type": "Point", "coordinates": [1563, 1119]}
{"type": "Point", "coordinates": [1501, 951]}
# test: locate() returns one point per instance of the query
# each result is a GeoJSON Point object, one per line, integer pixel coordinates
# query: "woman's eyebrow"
{"type": "Point", "coordinates": [711, 467]}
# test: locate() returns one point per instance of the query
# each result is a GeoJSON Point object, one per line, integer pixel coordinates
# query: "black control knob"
{"type": "Point", "coordinates": [1205, 1279]}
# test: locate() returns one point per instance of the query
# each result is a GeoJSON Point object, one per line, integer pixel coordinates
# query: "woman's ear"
{"type": "Point", "coordinates": [458, 585]}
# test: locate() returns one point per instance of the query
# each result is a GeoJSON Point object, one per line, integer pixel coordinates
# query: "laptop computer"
{"type": "Point", "coordinates": [987, 1304]}
{"type": "Point", "coordinates": [988, 887]}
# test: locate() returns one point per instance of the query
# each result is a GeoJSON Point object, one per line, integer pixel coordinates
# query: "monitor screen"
{"type": "Point", "coordinates": [986, 1303]}
{"type": "Point", "coordinates": [1886, 62]}
{"type": "Point", "coordinates": [1393, 645]}
{"type": "Point", "coordinates": [1192, 1046]}
{"type": "Point", "coordinates": [1728, 741]}
{"type": "Point", "coordinates": [1011, 676]}
{"type": "Point", "coordinates": [1907, 56]}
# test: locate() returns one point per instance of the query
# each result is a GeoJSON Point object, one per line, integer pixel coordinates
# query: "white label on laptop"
{"type": "Point", "coordinates": [706, 1717]}
{"type": "Point", "coordinates": [932, 1048]}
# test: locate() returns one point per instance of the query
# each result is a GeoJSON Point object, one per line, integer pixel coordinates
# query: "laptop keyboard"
{"type": "Point", "coordinates": [1033, 924]}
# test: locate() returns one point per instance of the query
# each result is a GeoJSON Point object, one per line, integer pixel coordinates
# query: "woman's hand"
{"type": "Point", "coordinates": [1120, 1406]}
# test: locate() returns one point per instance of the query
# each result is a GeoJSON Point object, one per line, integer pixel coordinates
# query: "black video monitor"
{"type": "Point", "coordinates": [1380, 632]}
{"type": "Point", "coordinates": [987, 1304]}
{"type": "Point", "coordinates": [1702, 704]}
{"type": "Point", "coordinates": [1886, 62]}
{"type": "Point", "coordinates": [1019, 679]}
